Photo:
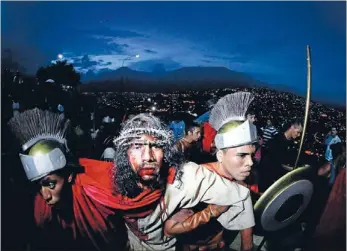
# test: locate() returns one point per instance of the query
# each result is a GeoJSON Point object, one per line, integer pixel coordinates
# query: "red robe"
{"type": "Point", "coordinates": [209, 134]}
{"type": "Point", "coordinates": [331, 231]}
{"type": "Point", "coordinates": [93, 204]}
{"type": "Point", "coordinates": [89, 226]}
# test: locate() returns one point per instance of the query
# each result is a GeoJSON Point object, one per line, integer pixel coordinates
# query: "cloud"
{"type": "Point", "coordinates": [150, 51]}
{"type": "Point", "coordinates": [111, 32]}
{"type": "Point", "coordinates": [85, 64]}
{"type": "Point", "coordinates": [156, 65]}
{"type": "Point", "coordinates": [167, 51]}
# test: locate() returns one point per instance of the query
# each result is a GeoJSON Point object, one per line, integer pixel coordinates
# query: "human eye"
{"type": "Point", "coordinates": [155, 146]}
{"type": "Point", "coordinates": [51, 185]}
{"type": "Point", "coordinates": [158, 145]}
{"type": "Point", "coordinates": [137, 146]}
{"type": "Point", "coordinates": [242, 155]}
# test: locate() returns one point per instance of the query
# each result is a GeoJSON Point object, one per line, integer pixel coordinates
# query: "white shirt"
{"type": "Point", "coordinates": [198, 185]}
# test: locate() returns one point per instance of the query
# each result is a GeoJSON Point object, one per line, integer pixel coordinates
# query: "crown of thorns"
{"type": "Point", "coordinates": [134, 128]}
{"type": "Point", "coordinates": [163, 137]}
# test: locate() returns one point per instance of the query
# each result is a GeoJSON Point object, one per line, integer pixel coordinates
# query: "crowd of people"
{"type": "Point", "coordinates": [142, 184]}
{"type": "Point", "coordinates": [143, 181]}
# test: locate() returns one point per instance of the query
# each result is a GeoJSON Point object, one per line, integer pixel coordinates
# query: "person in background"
{"type": "Point", "coordinates": [61, 110]}
{"type": "Point", "coordinates": [269, 132]}
{"type": "Point", "coordinates": [187, 145]}
{"type": "Point", "coordinates": [330, 139]}
{"type": "Point", "coordinates": [178, 128]}
{"type": "Point", "coordinates": [15, 108]}
{"type": "Point", "coordinates": [272, 165]}
{"type": "Point", "coordinates": [330, 233]}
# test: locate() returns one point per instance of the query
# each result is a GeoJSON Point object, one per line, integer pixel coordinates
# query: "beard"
{"type": "Point", "coordinates": [130, 183]}
{"type": "Point", "coordinates": [151, 175]}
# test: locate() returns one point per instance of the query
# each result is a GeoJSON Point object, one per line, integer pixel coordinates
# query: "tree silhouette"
{"type": "Point", "coordinates": [9, 61]}
{"type": "Point", "coordinates": [61, 72]}
{"type": "Point", "coordinates": [52, 93]}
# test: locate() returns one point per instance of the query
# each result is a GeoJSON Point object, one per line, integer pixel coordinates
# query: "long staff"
{"type": "Point", "coordinates": [307, 108]}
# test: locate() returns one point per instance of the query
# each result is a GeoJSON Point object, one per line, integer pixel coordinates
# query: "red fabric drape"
{"type": "Point", "coordinates": [331, 231]}
{"type": "Point", "coordinates": [100, 189]}
{"type": "Point", "coordinates": [94, 202]}
{"type": "Point", "coordinates": [89, 216]}
{"type": "Point", "coordinates": [209, 134]}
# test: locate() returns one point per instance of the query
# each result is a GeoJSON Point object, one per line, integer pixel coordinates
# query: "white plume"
{"type": "Point", "coordinates": [232, 107]}
{"type": "Point", "coordinates": [33, 125]}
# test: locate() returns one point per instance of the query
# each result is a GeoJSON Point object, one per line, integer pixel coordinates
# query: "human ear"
{"type": "Point", "coordinates": [69, 179]}
{"type": "Point", "coordinates": [219, 156]}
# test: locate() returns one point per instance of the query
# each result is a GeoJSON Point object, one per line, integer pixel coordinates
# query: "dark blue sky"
{"type": "Point", "coordinates": [264, 39]}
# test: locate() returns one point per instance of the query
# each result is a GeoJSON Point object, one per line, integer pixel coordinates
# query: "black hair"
{"type": "Point", "coordinates": [190, 125]}
{"type": "Point", "coordinates": [293, 122]}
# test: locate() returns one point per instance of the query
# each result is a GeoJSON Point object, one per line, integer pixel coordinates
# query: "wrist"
{"type": "Point", "coordinates": [213, 212]}
{"type": "Point", "coordinates": [246, 247]}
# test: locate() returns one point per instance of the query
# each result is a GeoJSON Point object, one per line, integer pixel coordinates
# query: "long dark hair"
{"type": "Point", "coordinates": [125, 179]}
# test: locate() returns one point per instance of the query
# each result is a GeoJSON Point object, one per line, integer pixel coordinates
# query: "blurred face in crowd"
{"type": "Point", "coordinates": [295, 131]}
{"type": "Point", "coordinates": [146, 158]}
{"type": "Point", "coordinates": [195, 134]}
{"type": "Point", "coordinates": [54, 188]}
{"type": "Point", "coordinates": [333, 131]}
{"type": "Point", "coordinates": [268, 122]}
{"type": "Point", "coordinates": [251, 118]}
{"type": "Point", "coordinates": [236, 162]}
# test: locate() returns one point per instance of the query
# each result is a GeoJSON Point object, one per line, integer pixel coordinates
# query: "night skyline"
{"type": "Point", "coordinates": [266, 40]}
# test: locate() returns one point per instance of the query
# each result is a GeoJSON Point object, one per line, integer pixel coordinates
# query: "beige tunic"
{"type": "Point", "coordinates": [198, 185]}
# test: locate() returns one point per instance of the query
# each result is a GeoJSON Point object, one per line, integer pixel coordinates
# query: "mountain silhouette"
{"type": "Point", "coordinates": [194, 78]}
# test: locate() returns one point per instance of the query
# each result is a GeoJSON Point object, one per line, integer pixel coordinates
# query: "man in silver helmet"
{"type": "Point", "coordinates": [69, 210]}
{"type": "Point", "coordinates": [154, 183]}
{"type": "Point", "coordinates": [235, 140]}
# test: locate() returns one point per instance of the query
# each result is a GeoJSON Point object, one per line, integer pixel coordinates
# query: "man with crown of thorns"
{"type": "Point", "coordinates": [150, 176]}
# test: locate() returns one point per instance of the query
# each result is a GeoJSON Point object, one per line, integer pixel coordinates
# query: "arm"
{"type": "Point", "coordinates": [174, 226]}
{"type": "Point", "coordinates": [326, 139]}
